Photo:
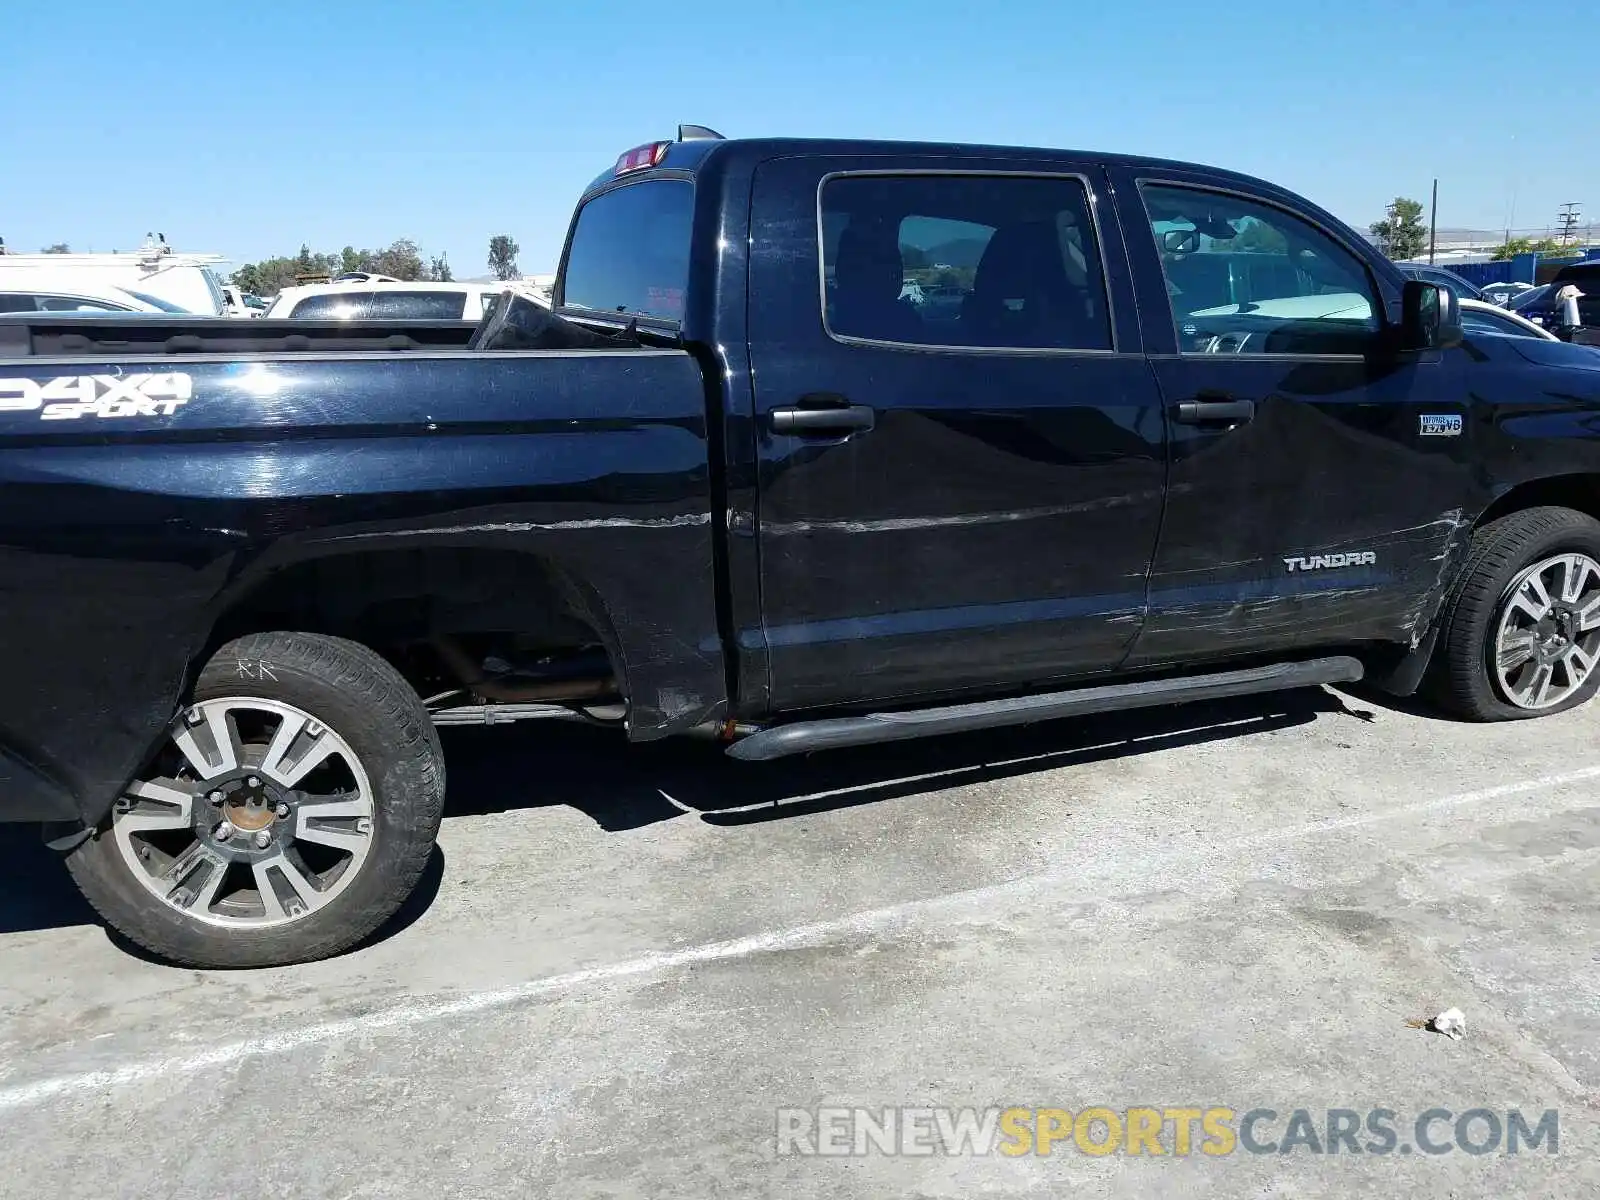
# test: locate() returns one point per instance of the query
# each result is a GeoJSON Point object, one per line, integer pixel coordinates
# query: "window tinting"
{"type": "Point", "coordinates": [1247, 278]}
{"type": "Point", "coordinates": [963, 261]}
{"type": "Point", "coordinates": [630, 251]}
{"type": "Point", "coordinates": [417, 306]}
{"type": "Point", "coordinates": [11, 302]}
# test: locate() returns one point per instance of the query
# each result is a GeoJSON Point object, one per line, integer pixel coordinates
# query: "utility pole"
{"type": "Point", "coordinates": [1433, 223]}
{"type": "Point", "coordinates": [1568, 220]}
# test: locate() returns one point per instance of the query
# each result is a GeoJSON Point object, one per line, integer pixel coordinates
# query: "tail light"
{"type": "Point", "coordinates": [642, 158]}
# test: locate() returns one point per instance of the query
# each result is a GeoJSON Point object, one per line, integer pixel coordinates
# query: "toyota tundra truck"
{"type": "Point", "coordinates": [1144, 432]}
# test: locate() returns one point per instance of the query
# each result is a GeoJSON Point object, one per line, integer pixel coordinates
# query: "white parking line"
{"type": "Point", "coordinates": [1153, 864]}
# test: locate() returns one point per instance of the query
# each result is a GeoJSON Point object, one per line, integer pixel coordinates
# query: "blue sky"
{"type": "Point", "coordinates": [248, 126]}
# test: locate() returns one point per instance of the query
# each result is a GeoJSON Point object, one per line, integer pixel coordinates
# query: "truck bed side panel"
{"type": "Point", "coordinates": [130, 520]}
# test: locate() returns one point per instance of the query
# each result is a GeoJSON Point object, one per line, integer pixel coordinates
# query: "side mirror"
{"type": "Point", "coordinates": [1180, 241]}
{"type": "Point", "coordinates": [1430, 317]}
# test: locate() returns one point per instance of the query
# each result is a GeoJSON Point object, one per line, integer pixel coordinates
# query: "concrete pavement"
{"type": "Point", "coordinates": [623, 965]}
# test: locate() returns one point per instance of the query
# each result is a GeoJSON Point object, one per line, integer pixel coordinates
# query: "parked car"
{"type": "Point", "coordinates": [1530, 304]}
{"type": "Point", "coordinates": [240, 303]}
{"type": "Point", "coordinates": [1449, 280]}
{"type": "Point", "coordinates": [1544, 305]}
{"type": "Point", "coordinates": [1504, 294]}
{"type": "Point", "coordinates": [1479, 316]}
{"type": "Point", "coordinates": [706, 496]}
{"type": "Point", "coordinates": [360, 301]}
{"type": "Point", "coordinates": [73, 291]}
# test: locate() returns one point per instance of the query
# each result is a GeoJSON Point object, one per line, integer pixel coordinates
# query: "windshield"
{"type": "Point", "coordinates": [155, 301]}
{"type": "Point", "coordinates": [630, 251]}
{"type": "Point", "coordinates": [1530, 299]}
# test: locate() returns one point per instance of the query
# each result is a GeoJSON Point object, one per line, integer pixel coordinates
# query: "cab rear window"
{"type": "Point", "coordinates": [630, 251]}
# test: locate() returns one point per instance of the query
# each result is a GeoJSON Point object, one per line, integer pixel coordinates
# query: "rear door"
{"type": "Point", "coordinates": [960, 444]}
{"type": "Point", "coordinates": [1318, 475]}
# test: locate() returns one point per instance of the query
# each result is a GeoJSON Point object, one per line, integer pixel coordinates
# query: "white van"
{"type": "Point", "coordinates": [364, 301]}
{"type": "Point", "coordinates": [187, 281]}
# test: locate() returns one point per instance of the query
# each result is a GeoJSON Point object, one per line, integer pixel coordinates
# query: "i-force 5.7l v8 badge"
{"type": "Point", "coordinates": [70, 397]}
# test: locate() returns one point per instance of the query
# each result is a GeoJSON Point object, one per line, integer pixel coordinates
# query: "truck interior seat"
{"type": "Point", "coordinates": [1021, 295]}
{"type": "Point", "coordinates": [868, 275]}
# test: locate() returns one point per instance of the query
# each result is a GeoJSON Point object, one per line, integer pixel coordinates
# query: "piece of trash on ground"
{"type": "Point", "coordinates": [1452, 1022]}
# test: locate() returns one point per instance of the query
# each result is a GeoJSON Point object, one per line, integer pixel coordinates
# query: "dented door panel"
{"type": "Point", "coordinates": [1331, 517]}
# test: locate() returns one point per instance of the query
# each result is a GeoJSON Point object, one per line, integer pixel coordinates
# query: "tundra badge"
{"type": "Point", "coordinates": [1321, 562]}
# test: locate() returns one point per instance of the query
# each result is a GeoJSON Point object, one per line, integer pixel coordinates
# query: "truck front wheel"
{"type": "Point", "coordinates": [1521, 632]}
{"type": "Point", "coordinates": [288, 813]}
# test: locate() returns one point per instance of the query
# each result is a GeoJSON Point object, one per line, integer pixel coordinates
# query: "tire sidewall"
{"type": "Point", "coordinates": [405, 811]}
{"type": "Point", "coordinates": [1580, 536]}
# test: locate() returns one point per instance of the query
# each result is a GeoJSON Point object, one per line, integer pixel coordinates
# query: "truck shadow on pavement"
{"type": "Point", "coordinates": [623, 787]}
{"type": "Point", "coordinates": [626, 787]}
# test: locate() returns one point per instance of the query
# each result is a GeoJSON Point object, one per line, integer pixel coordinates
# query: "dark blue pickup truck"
{"type": "Point", "coordinates": [824, 443]}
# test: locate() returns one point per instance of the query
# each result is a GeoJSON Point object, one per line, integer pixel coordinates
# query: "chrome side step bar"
{"type": "Point", "coordinates": [804, 737]}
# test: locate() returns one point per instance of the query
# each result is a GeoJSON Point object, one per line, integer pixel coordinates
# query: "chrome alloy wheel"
{"type": "Point", "coordinates": [253, 814]}
{"type": "Point", "coordinates": [1547, 639]}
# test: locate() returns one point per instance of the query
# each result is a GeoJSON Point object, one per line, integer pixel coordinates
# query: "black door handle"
{"type": "Point", "coordinates": [1206, 412]}
{"type": "Point", "coordinates": [843, 419]}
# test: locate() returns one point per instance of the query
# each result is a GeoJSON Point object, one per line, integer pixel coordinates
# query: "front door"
{"type": "Point", "coordinates": [1318, 474]}
{"type": "Point", "coordinates": [960, 444]}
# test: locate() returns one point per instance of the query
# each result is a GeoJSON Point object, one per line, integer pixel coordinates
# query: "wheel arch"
{"type": "Point", "coordinates": [381, 597]}
{"type": "Point", "coordinates": [1579, 491]}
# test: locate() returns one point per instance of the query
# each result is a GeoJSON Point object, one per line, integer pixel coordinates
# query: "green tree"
{"type": "Point", "coordinates": [503, 253]}
{"type": "Point", "coordinates": [1518, 246]}
{"type": "Point", "coordinates": [401, 258]}
{"type": "Point", "coordinates": [439, 269]}
{"type": "Point", "coordinates": [1402, 234]}
{"type": "Point", "coordinates": [247, 279]}
{"type": "Point", "coordinates": [57, 248]}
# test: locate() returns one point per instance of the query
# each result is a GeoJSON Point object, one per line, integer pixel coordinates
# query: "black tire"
{"type": "Point", "coordinates": [359, 696]}
{"type": "Point", "coordinates": [1460, 677]}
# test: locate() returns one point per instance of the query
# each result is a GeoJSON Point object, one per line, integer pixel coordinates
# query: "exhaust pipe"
{"type": "Point", "coordinates": [461, 665]}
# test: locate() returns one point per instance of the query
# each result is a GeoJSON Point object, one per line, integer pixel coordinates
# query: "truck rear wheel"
{"type": "Point", "coordinates": [289, 812]}
{"type": "Point", "coordinates": [1521, 632]}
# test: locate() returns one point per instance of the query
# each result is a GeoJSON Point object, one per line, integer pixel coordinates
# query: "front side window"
{"type": "Point", "coordinates": [1247, 278]}
{"type": "Point", "coordinates": [630, 251]}
{"type": "Point", "coordinates": [963, 261]}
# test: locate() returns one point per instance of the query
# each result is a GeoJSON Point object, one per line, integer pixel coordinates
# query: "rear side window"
{"type": "Point", "coordinates": [13, 302]}
{"type": "Point", "coordinates": [963, 261]}
{"type": "Point", "coordinates": [417, 306]}
{"type": "Point", "coordinates": [630, 251]}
